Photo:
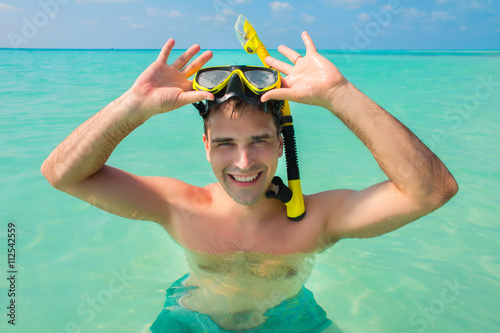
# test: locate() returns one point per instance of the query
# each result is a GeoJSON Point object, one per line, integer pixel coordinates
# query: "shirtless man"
{"type": "Point", "coordinates": [246, 257]}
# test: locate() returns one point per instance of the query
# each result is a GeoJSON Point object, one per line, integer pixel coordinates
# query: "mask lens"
{"type": "Point", "coordinates": [260, 78]}
{"type": "Point", "coordinates": [211, 79]}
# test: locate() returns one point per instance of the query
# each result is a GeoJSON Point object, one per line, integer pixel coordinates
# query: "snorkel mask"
{"type": "Point", "coordinates": [246, 82]}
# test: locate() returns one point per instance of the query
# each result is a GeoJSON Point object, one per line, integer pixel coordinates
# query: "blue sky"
{"type": "Point", "coordinates": [333, 24]}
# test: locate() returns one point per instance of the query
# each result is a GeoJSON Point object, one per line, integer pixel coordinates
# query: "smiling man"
{"type": "Point", "coordinates": [248, 262]}
{"type": "Point", "coordinates": [243, 151]}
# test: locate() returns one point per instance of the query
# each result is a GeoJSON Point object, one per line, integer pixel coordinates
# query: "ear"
{"type": "Point", "coordinates": [207, 146]}
{"type": "Point", "coordinates": [280, 141]}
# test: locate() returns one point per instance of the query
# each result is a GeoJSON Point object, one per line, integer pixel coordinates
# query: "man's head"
{"type": "Point", "coordinates": [243, 144]}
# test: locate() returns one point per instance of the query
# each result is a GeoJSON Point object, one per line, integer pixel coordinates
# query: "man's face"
{"type": "Point", "coordinates": [244, 151]}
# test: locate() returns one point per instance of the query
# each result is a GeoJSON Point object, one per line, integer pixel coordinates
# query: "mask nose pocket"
{"type": "Point", "coordinates": [235, 85]}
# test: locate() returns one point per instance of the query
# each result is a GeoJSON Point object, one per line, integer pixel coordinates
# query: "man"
{"type": "Point", "coordinates": [248, 261]}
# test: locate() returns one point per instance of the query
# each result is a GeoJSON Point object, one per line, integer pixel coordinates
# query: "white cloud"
{"type": "Point", "coordinates": [442, 1]}
{"type": "Point", "coordinates": [413, 14]}
{"type": "Point", "coordinates": [228, 12]}
{"type": "Point", "coordinates": [240, 2]}
{"type": "Point", "coordinates": [393, 9]}
{"type": "Point", "coordinates": [279, 6]}
{"type": "Point", "coordinates": [152, 11]}
{"type": "Point", "coordinates": [442, 16]}
{"type": "Point", "coordinates": [125, 18]}
{"type": "Point", "coordinates": [91, 23]}
{"type": "Point", "coordinates": [216, 18]}
{"type": "Point", "coordinates": [364, 17]}
{"type": "Point", "coordinates": [134, 25]}
{"type": "Point", "coordinates": [349, 4]}
{"type": "Point", "coordinates": [104, 1]}
{"type": "Point", "coordinates": [306, 18]}
{"type": "Point", "coordinates": [4, 7]}
{"type": "Point", "coordinates": [174, 13]}
{"type": "Point", "coordinates": [476, 4]}
{"type": "Point", "coordinates": [221, 17]}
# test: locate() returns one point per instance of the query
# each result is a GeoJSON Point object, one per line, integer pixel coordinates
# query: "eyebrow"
{"type": "Point", "coordinates": [216, 140]}
{"type": "Point", "coordinates": [229, 139]}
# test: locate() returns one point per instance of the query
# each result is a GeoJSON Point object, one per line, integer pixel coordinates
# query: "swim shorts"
{"type": "Point", "coordinates": [299, 314]}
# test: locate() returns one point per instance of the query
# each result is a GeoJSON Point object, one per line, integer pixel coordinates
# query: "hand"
{"type": "Point", "coordinates": [162, 87]}
{"type": "Point", "coordinates": [311, 80]}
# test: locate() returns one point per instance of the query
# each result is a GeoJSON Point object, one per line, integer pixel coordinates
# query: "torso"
{"type": "Point", "coordinates": [241, 272]}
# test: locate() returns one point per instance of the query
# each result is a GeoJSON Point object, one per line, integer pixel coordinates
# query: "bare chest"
{"type": "Point", "coordinates": [212, 233]}
{"type": "Point", "coordinates": [250, 265]}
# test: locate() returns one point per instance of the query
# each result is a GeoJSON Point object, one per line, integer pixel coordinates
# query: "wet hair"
{"type": "Point", "coordinates": [239, 105]}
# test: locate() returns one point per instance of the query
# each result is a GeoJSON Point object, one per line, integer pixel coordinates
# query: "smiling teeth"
{"type": "Point", "coordinates": [245, 179]}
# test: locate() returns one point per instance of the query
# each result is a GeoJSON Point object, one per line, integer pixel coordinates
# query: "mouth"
{"type": "Point", "coordinates": [246, 180]}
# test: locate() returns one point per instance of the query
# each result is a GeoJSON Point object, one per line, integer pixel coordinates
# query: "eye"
{"type": "Point", "coordinates": [224, 144]}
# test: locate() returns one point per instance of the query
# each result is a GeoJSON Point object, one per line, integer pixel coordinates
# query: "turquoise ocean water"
{"type": "Point", "coordinates": [82, 270]}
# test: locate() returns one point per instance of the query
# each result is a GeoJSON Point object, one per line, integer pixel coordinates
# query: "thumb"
{"type": "Point", "coordinates": [278, 94]}
{"type": "Point", "coordinates": [194, 96]}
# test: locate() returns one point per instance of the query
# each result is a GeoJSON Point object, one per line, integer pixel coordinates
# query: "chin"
{"type": "Point", "coordinates": [245, 201]}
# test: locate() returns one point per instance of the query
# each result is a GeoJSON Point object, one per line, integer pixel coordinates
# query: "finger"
{"type": "Point", "coordinates": [194, 66]}
{"type": "Point", "coordinates": [165, 51]}
{"type": "Point", "coordinates": [308, 42]}
{"type": "Point", "coordinates": [278, 94]}
{"type": "Point", "coordinates": [289, 53]}
{"type": "Point", "coordinates": [184, 58]}
{"type": "Point", "coordinates": [194, 96]}
{"type": "Point", "coordinates": [279, 65]}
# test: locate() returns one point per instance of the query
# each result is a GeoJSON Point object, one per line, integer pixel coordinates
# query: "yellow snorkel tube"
{"type": "Point", "coordinates": [291, 195]}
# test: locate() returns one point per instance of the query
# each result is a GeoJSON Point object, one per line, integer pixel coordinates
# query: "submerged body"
{"type": "Point", "coordinates": [299, 313]}
{"type": "Point", "coordinates": [236, 289]}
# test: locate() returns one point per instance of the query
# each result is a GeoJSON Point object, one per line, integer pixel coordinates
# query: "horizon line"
{"type": "Point", "coordinates": [233, 49]}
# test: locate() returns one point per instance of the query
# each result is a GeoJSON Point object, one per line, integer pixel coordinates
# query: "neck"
{"type": "Point", "coordinates": [255, 214]}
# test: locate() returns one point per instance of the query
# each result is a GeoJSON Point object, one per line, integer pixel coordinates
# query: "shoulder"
{"type": "Point", "coordinates": [327, 209]}
{"type": "Point", "coordinates": [177, 195]}
{"type": "Point", "coordinates": [178, 192]}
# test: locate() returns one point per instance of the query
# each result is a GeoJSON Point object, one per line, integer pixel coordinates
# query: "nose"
{"type": "Point", "coordinates": [245, 158]}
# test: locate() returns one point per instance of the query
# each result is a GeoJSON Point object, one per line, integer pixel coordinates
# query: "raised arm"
{"type": "Point", "coordinates": [418, 181]}
{"type": "Point", "coordinates": [77, 165]}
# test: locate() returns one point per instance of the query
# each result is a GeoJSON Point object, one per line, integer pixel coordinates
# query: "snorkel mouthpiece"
{"type": "Point", "coordinates": [284, 194]}
{"type": "Point", "coordinates": [248, 38]}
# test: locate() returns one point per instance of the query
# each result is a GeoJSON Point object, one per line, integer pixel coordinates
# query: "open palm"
{"type": "Point", "coordinates": [163, 87]}
{"type": "Point", "coordinates": [312, 80]}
